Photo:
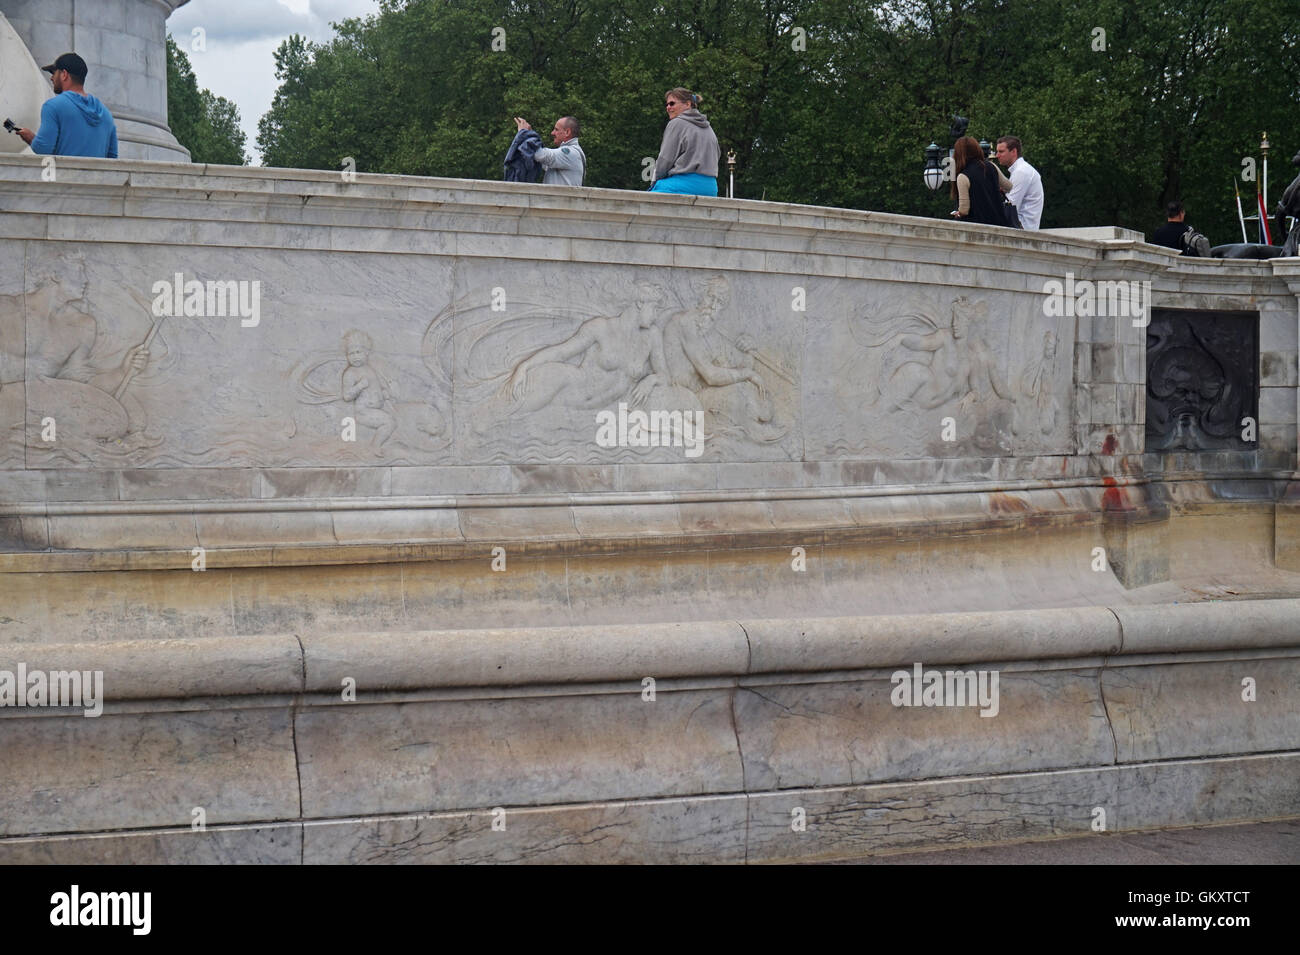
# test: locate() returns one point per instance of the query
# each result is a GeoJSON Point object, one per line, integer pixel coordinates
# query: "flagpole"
{"type": "Point", "coordinates": [1241, 216]}
{"type": "Point", "coordinates": [1264, 146]}
{"type": "Point", "coordinates": [1266, 234]}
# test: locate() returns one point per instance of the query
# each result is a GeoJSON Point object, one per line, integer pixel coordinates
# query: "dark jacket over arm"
{"type": "Point", "coordinates": [520, 165]}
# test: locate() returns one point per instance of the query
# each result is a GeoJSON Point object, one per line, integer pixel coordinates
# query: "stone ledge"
{"type": "Point", "coordinates": [549, 718]}
{"type": "Point", "coordinates": [401, 195]}
{"type": "Point", "coordinates": [1209, 626]}
{"type": "Point", "coordinates": [63, 493]}
{"type": "Point", "coordinates": [162, 535]}
{"type": "Point", "coordinates": [564, 656]}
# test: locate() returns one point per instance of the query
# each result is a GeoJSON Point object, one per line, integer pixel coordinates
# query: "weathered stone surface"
{"type": "Point", "coordinates": [808, 356]}
{"type": "Point", "coordinates": [518, 656]}
{"type": "Point", "coordinates": [845, 733]}
{"type": "Point", "coordinates": [446, 728]}
{"type": "Point", "coordinates": [856, 821]}
{"type": "Point", "coordinates": [279, 844]}
{"type": "Point", "coordinates": [708, 829]}
{"type": "Point", "coordinates": [360, 759]}
{"type": "Point", "coordinates": [153, 669]}
{"type": "Point", "coordinates": [128, 770]}
{"type": "Point", "coordinates": [1215, 626]}
{"type": "Point", "coordinates": [1178, 710]}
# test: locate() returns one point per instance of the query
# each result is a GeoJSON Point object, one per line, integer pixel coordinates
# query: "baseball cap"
{"type": "Point", "coordinates": [70, 62]}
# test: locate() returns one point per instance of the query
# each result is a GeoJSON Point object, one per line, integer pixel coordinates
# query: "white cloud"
{"type": "Point", "coordinates": [240, 20]}
{"type": "Point", "coordinates": [242, 37]}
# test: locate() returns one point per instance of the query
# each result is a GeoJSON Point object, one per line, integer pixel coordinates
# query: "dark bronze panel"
{"type": "Point", "coordinates": [1202, 379]}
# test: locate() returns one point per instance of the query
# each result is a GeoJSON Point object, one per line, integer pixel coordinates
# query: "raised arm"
{"type": "Point", "coordinates": [714, 375]}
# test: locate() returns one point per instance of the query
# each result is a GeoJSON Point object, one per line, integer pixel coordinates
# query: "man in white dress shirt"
{"type": "Point", "coordinates": [1026, 184]}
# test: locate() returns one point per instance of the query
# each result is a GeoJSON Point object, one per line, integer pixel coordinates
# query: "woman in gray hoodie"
{"type": "Point", "coordinates": [688, 158]}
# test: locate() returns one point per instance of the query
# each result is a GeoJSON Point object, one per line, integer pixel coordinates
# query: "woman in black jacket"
{"type": "Point", "coordinates": [978, 185]}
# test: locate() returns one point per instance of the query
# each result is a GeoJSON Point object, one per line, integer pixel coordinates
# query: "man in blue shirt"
{"type": "Point", "coordinates": [73, 123]}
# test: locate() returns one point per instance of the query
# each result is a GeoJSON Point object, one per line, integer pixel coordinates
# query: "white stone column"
{"type": "Point", "coordinates": [124, 45]}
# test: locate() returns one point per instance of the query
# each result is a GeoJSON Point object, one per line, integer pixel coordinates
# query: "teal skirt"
{"type": "Point", "coordinates": [687, 184]}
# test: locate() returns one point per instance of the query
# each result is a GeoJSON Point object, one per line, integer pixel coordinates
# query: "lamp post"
{"type": "Point", "coordinates": [731, 168]}
{"type": "Point", "coordinates": [933, 172]}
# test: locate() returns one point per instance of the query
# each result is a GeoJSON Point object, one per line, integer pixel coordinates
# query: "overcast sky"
{"type": "Point", "coordinates": [242, 36]}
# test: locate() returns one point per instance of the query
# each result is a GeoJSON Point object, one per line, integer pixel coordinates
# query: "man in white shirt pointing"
{"type": "Point", "coordinates": [1026, 185]}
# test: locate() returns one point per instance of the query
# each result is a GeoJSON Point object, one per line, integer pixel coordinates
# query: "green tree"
{"type": "Point", "coordinates": [206, 125]}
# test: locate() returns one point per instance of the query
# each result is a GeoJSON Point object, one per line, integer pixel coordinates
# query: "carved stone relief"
{"type": "Point", "coordinates": [924, 374]}
{"type": "Point", "coordinates": [533, 378]}
{"type": "Point", "coordinates": [366, 359]}
{"type": "Point", "coordinates": [301, 384]}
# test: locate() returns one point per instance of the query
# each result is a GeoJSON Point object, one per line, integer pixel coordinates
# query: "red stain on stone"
{"type": "Point", "coordinates": [1000, 503]}
{"type": "Point", "coordinates": [1109, 445]}
{"type": "Point", "coordinates": [1114, 498]}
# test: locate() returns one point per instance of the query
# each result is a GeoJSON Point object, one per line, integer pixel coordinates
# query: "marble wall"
{"type": "Point", "coordinates": [232, 320]}
{"type": "Point", "coordinates": [349, 394]}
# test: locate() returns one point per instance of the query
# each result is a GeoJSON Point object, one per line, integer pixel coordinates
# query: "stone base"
{"type": "Point", "coordinates": [1137, 545]}
{"type": "Point", "coordinates": [1286, 529]}
{"type": "Point", "coordinates": [843, 823]}
{"type": "Point", "coordinates": [740, 740]}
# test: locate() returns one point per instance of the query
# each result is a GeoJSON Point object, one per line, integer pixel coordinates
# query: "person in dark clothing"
{"type": "Point", "coordinates": [1177, 234]}
{"type": "Point", "coordinates": [978, 184]}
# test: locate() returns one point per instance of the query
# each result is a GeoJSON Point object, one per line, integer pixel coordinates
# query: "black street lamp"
{"type": "Point", "coordinates": [933, 172]}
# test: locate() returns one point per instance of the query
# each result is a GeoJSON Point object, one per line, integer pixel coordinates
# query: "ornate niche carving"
{"type": "Point", "coordinates": [1202, 379]}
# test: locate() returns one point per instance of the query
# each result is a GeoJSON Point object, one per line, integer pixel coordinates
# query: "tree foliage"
{"type": "Point", "coordinates": [206, 125]}
{"type": "Point", "coordinates": [1122, 104]}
